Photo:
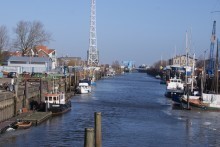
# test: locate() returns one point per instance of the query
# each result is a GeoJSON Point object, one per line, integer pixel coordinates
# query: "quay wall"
{"type": "Point", "coordinates": [12, 103]}
{"type": "Point", "coordinates": [32, 89]}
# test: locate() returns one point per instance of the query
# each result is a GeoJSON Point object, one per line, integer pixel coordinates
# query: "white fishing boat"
{"type": "Point", "coordinates": [174, 86]}
{"type": "Point", "coordinates": [83, 88]}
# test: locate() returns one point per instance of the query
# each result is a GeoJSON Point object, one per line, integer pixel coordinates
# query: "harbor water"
{"type": "Point", "coordinates": [134, 113]}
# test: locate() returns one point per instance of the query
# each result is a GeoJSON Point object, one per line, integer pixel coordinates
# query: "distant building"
{"type": "Point", "coordinates": [38, 51]}
{"type": "Point", "coordinates": [30, 64]}
{"type": "Point", "coordinates": [77, 61]}
{"type": "Point", "coordinates": [181, 61]}
{"type": "Point", "coordinates": [43, 51]}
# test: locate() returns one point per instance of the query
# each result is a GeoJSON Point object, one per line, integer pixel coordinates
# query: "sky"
{"type": "Point", "coordinates": [143, 31]}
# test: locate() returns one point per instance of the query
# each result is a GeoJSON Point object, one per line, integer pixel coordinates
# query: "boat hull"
{"type": "Point", "coordinates": [198, 104]}
{"type": "Point", "coordinates": [171, 92]}
{"type": "Point", "coordinates": [58, 109]}
{"type": "Point", "coordinates": [177, 97]}
{"type": "Point", "coordinates": [23, 125]}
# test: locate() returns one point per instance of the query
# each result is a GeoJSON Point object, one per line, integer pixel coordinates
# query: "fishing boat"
{"type": "Point", "coordinates": [191, 90]}
{"type": "Point", "coordinates": [174, 86]}
{"type": "Point", "coordinates": [209, 100]}
{"type": "Point", "coordinates": [83, 88]}
{"type": "Point", "coordinates": [56, 103]}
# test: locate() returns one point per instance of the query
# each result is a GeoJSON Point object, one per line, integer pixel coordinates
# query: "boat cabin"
{"type": "Point", "coordinates": [83, 84]}
{"type": "Point", "coordinates": [175, 83]}
{"type": "Point", "coordinates": [54, 98]}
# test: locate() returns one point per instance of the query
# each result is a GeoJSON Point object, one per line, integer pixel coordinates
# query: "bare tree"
{"type": "Point", "coordinates": [4, 41]}
{"type": "Point", "coordinates": [29, 35]}
{"type": "Point", "coordinates": [159, 64]}
{"type": "Point", "coordinates": [4, 38]}
{"type": "Point", "coordinates": [116, 66]}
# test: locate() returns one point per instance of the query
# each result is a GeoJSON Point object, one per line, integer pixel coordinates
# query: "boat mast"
{"type": "Point", "coordinates": [216, 69]}
{"type": "Point", "coordinates": [187, 87]}
{"type": "Point", "coordinates": [193, 72]}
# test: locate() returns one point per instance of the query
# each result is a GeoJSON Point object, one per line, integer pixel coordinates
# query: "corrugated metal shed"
{"type": "Point", "coordinates": [29, 59]}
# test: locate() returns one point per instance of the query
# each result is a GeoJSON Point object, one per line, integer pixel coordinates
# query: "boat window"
{"type": "Point", "coordinates": [50, 98]}
{"type": "Point", "coordinates": [54, 98]}
{"type": "Point", "coordinates": [46, 98]}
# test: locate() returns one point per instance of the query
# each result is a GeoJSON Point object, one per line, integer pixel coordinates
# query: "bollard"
{"type": "Point", "coordinates": [98, 130]}
{"type": "Point", "coordinates": [89, 137]}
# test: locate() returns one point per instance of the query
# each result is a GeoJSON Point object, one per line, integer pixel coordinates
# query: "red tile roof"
{"type": "Point", "coordinates": [44, 49]}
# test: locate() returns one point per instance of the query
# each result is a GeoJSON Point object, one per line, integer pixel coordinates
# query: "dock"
{"type": "Point", "coordinates": [35, 117]}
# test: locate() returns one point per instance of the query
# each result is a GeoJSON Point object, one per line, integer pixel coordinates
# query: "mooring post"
{"type": "Point", "coordinates": [46, 107]}
{"type": "Point", "coordinates": [89, 137]}
{"type": "Point", "coordinates": [69, 83]}
{"type": "Point", "coordinates": [98, 130]}
{"type": "Point", "coordinates": [15, 97]}
{"type": "Point", "coordinates": [26, 93]}
{"type": "Point", "coordinates": [65, 84]}
{"type": "Point", "coordinates": [41, 89]}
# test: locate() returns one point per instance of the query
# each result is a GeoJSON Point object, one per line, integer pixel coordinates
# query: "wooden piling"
{"type": "Point", "coordinates": [26, 93]}
{"type": "Point", "coordinates": [89, 137]}
{"type": "Point", "coordinates": [15, 98]}
{"type": "Point", "coordinates": [41, 89]}
{"type": "Point", "coordinates": [69, 83]}
{"type": "Point", "coordinates": [65, 84]}
{"type": "Point", "coordinates": [98, 130]}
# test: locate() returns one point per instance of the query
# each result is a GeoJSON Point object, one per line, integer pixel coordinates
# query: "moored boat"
{"type": "Point", "coordinates": [174, 86]}
{"type": "Point", "coordinates": [56, 103]}
{"type": "Point", "coordinates": [23, 124]}
{"type": "Point", "coordinates": [207, 102]}
{"type": "Point", "coordinates": [83, 88]}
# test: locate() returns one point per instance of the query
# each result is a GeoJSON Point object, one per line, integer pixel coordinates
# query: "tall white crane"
{"type": "Point", "coordinates": [92, 53]}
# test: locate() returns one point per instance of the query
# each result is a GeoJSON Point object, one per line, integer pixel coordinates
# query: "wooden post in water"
{"type": "Point", "coordinates": [98, 130]}
{"type": "Point", "coordinates": [65, 84]}
{"type": "Point", "coordinates": [41, 89]}
{"type": "Point", "coordinates": [15, 97]}
{"type": "Point", "coordinates": [187, 89]}
{"type": "Point", "coordinates": [89, 137]}
{"type": "Point", "coordinates": [26, 94]}
{"type": "Point", "coordinates": [69, 83]}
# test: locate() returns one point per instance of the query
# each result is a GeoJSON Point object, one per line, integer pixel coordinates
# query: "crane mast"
{"type": "Point", "coordinates": [93, 53]}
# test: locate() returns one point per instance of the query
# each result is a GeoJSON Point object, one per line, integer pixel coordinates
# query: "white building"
{"type": "Point", "coordinates": [29, 64]}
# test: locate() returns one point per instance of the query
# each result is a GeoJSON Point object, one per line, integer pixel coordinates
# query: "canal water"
{"type": "Point", "coordinates": [134, 113]}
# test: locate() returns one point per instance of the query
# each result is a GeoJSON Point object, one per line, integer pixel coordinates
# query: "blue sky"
{"type": "Point", "coordinates": [143, 31]}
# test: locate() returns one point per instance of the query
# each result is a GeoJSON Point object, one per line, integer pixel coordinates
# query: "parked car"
{"type": "Point", "coordinates": [12, 75]}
